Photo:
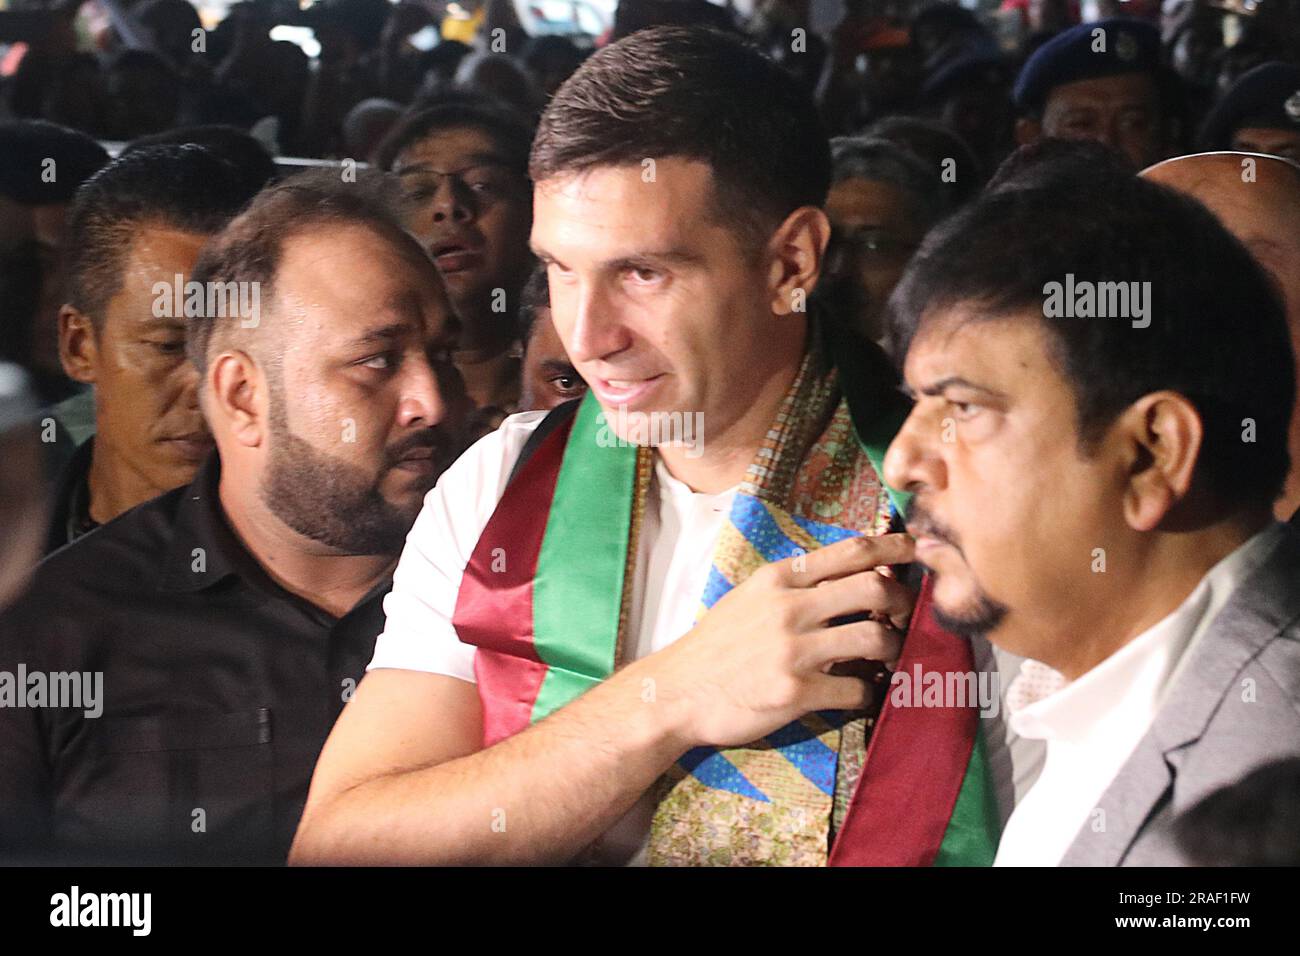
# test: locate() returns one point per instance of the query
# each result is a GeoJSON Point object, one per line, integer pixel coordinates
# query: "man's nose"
{"type": "Point", "coordinates": [423, 400]}
{"type": "Point", "coordinates": [189, 376]}
{"type": "Point", "coordinates": [596, 329]}
{"type": "Point", "coordinates": [912, 460]}
{"type": "Point", "coordinates": [450, 202]}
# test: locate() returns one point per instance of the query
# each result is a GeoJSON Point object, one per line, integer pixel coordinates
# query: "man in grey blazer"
{"type": "Point", "coordinates": [1104, 379]}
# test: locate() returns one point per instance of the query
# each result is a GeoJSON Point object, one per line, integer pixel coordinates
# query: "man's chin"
{"type": "Point", "coordinates": [972, 615]}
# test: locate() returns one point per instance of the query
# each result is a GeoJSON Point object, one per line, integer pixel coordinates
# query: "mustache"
{"type": "Point", "coordinates": [439, 443]}
{"type": "Point", "coordinates": [921, 523]}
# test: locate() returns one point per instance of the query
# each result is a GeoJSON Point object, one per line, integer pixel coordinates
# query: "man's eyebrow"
{"type": "Point", "coordinates": [633, 260]}
{"type": "Point", "coordinates": [165, 323]}
{"type": "Point", "coordinates": [650, 257]}
{"type": "Point", "coordinates": [381, 334]}
{"type": "Point", "coordinates": [558, 365]}
{"type": "Point", "coordinates": [956, 381]}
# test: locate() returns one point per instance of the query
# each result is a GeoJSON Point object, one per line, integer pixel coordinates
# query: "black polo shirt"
{"type": "Point", "coordinates": [70, 518]}
{"type": "Point", "coordinates": [218, 690]}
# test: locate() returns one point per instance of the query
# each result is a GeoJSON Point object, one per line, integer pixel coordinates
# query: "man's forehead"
{"type": "Point", "coordinates": [1125, 89]}
{"type": "Point", "coordinates": [160, 240]}
{"type": "Point", "coordinates": [643, 204]}
{"type": "Point", "coordinates": [460, 146]}
{"type": "Point", "coordinates": [988, 351]}
{"type": "Point", "coordinates": [355, 278]}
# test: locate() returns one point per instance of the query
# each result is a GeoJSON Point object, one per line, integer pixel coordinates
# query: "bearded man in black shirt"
{"type": "Point", "coordinates": [167, 681]}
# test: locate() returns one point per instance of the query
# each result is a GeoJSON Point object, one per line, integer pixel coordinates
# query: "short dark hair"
{"type": "Point", "coordinates": [34, 148]}
{"type": "Point", "coordinates": [1050, 160]}
{"type": "Point", "coordinates": [251, 161]}
{"type": "Point", "coordinates": [879, 160]}
{"type": "Point", "coordinates": [1217, 334]}
{"type": "Point", "coordinates": [510, 133]}
{"type": "Point", "coordinates": [250, 248]}
{"type": "Point", "coordinates": [934, 143]}
{"type": "Point", "coordinates": [698, 94]}
{"type": "Point", "coordinates": [182, 187]}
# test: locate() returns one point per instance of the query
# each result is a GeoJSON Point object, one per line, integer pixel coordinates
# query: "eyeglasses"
{"type": "Point", "coordinates": [870, 241]}
{"type": "Point", "coordinates": [487, 181]}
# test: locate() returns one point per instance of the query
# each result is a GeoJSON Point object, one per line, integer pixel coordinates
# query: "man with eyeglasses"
{"type": "Point", "coordinates": [463, 167]}
{"type": "Point", "coordinates": [883, 200]}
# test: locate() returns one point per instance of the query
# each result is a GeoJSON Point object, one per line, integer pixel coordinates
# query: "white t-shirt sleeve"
{"type": "Point", "coordinates": [418, 633]}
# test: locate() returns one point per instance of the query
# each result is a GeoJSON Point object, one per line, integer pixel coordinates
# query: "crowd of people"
{"type": "Point", "coordinates": [594, 454]}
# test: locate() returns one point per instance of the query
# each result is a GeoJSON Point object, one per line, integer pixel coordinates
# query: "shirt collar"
{"type": "Point", "coordinates": [1128, 687]}
{"type": "Point", "coordinates": [203, 549]}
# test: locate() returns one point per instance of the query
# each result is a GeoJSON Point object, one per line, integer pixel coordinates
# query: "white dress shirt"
{"type": "Point", "coordinates": [1092, 725]}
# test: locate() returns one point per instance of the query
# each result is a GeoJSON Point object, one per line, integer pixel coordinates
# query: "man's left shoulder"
{"type": "Point", "coordinates": [1257, 719]}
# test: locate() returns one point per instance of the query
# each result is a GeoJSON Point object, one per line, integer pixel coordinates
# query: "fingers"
{"type": "Point", "coordinates": [861, 640]}
{"type": "Point", "coordinates": [843, 558]}
{"type": "Point", "coordinates": [839, 693]}
{"type": "Point", "coordinates": [871, 591]}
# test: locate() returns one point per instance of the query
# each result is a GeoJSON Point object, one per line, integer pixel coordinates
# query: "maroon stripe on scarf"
{"type": "Point", "coordinates": [494, 609]}
{"type": "Point", "coordinates": [915, 763]}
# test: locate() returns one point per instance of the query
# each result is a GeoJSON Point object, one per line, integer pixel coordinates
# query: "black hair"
{"type": "Point", "coordinates": [248, 157]}
{"type": "Point", "coordinates": [1217, 330]}
{"type": "Point", "coordinates": [1051, 160]}
{"type": "Point", "coordinates": [697, 94]}
{"type": "Point", "coordinates": [26, 175]}
{"type": "Point", "coordinates": [510, 133]}
{"type": "Point", "coordinates": [879, 160]}
{"type": "Point", "coordinates": [934, 143]}
{"type": "Point", "coordinates": [184, 187]}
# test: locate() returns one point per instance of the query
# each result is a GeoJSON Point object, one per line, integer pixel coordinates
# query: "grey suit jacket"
{"type": "Point", "coordinates": [1234, 706]}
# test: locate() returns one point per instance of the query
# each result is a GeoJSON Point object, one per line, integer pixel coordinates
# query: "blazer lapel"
{"type": "Point", "coordinates": [1258, 609]}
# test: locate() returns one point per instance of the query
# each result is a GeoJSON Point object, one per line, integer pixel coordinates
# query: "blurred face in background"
{"type": "Point", "coordinates": [549, 378]}
{"type": "Point", "coordinates": [1122, 112]}
{"type": "Point", "coordinates": [1273, 142]}
{"type": "Point", "coordinates": [31, 255]}
{"type": "Point", "coordinates": [875, 231]}
{"type": "Point", "coordinates": [472, 212]}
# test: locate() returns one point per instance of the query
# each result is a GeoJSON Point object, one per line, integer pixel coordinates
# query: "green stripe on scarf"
{"type": "Point", "coordinates": [972, 835]}
{"type": "Point", "coordinates": [576, 609]}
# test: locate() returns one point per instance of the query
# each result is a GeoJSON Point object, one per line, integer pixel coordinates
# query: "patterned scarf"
{"type": "Point", "coordinates": [778, 800]}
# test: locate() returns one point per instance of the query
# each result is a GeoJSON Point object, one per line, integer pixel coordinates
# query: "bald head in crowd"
{"type": "Point", "coordinates": [1258, 199]}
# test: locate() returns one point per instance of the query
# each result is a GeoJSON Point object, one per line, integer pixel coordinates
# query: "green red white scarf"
{"type": "Point", "coordinates": [906, 786]}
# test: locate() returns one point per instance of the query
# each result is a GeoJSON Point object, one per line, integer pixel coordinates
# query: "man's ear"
{"type": "Point", "coordinates": [1165, 432]}
{"type": "Point", "coordinates": [796, 253]}
{"type": "Point", "coordinates": [237, 397]}
{"type": "Point", "coordinates": [78, 346]}
{"type": "Point", "coordinates": [1028, 130]}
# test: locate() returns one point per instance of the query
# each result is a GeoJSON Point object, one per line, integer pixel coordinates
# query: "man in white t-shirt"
{"type": "Point", "coordinates": [679, 177]}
